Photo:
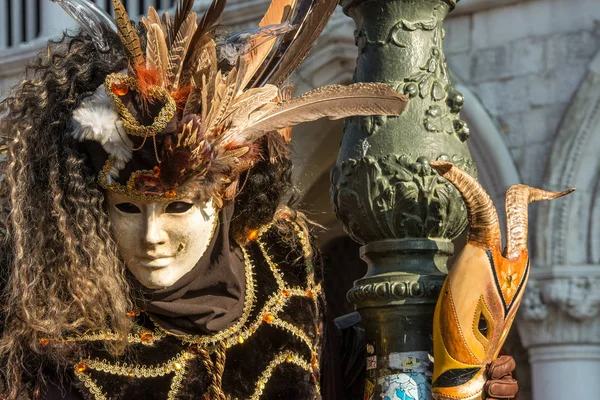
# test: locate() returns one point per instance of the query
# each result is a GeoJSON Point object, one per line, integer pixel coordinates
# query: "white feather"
{"type": "Point", "coordinates": [96, 120]}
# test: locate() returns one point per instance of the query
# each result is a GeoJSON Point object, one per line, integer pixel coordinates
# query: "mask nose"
{"type": "Point", "coordinates": [154, 233]}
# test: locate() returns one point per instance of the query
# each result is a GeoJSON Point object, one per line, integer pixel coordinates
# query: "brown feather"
{"type": "Point", "coordinates": [194, 101]}
{"type": "Point", "coordinates": [217, 88]}
{"type": "Point", "coordinates": [207, 97]}
{"type": "Point", "coordinates": [167, 27]}
{"type": "Point", "coordinates": [153, 16]}
{"type": "Point", "coordinates": [315, 20]}
{"type": "Point", "coordinates": [226, 94]}
{"type": "Point", "coordinates": [146, 22]}
{"type": "Point", "coordinates": [251, 100]}
{"type": "Point", "coordinates": [178, 50]}
{"type": "Point", "coordinates": [277, 146]}
{"type": "Point", "coordinates": [231, 89]}
{"type": "Point", "coordinates": [203, 34]}
{"type": "Point", "coordinates": [208, 63]}
{"type": "Point", "coordinates": [157, 54]}
{"type": "Point", "coordinates": [285, 95]}
{"type": "Point", "coordinates": [333, 102]}
{"type": "Point", "coordinates": [129, 37]}
{"type": "Point", "coordinates": [201, 94]}
{"type": "Point", "coordinates": [182, 11]}
{"type": "Point", "coordinates": [279, 11]}
{"type": "Point", "coordinates": [231, 190]}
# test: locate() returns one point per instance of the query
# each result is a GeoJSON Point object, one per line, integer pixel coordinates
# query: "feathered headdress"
{"type": "Point", "coordinates": [176, 121]}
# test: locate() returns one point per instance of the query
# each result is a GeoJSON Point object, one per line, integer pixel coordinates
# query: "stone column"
{"type": "Point", "coordinates": [559, 324]}
{"type": "Point", "coordinates": [388, 197]}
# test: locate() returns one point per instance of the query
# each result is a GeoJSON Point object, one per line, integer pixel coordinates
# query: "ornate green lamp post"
{"type": "Point", "coordinates": [389, 198]}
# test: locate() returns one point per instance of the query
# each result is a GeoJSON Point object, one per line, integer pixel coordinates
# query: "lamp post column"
{"type": "Point", "coordinates": [387, 196]}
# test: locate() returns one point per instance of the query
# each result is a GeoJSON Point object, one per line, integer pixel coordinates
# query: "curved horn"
{"type": "Point", "coordinates": [518, 198]}
{"type": "Point", "coordinates": [484, 228]}
{"type": "Point", "coordinates": [92, 19]}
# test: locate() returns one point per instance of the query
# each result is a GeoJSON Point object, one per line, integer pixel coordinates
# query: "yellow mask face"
{"type": "Point", "coordinates": [483, 290]}
{"type": "Point", "coordinates": [473, 316]}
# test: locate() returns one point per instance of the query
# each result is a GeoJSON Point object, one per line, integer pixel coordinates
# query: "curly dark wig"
{"type": "Point", "coordinates": [62, 268]}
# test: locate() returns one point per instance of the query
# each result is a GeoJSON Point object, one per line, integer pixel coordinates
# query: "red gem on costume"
{"type": "Point", "coordinates": [81, 367]}
{"type": "Point", "coordinates": [119, 88]}
{"type": "Point", "coordinates": [147, 337]}
{"type": "Point", "coordinates": [44, 342]}
{"type": "Point", "coordinates": [268, 318]}
{"type": "Point", "coordinates": [253, 235]}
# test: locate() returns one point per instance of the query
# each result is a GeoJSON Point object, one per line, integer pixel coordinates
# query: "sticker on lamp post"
{"type": "Point", "coordinates": [413, 380]}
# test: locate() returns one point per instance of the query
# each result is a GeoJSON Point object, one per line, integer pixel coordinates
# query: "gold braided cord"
{"type": "Point", "coordinates": [308, 254]}
{"type": "Point", "coordinates": [215, 370]}
{"type": "Point", "coordinates": [175, 364]}
{"type": "Point", "coordinates": [135, 337]}
{"type": "Point", "coordinates": [294, 330]}
{"type": "Point", "coordinates": [278, 276]}
{"type": "Point", "coordinates": [91, 385]}
{"type": "Point", "coordinates": [281, 358]}
{"type": "Point", "coordinates": [130, 123]}
{"type": "Point", "coordinates": [177, 382]}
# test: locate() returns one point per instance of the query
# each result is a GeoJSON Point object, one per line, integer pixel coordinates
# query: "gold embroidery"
{"type": "Point", "coordinates": [176, 384]}
{"type": "Point", "coordinates": [91, 385]}
{"type": "Point", "coordinates": [272, 266]}
{"type": "Point", "coordinates": [296, 332]}
{"type": "Point", "coordinates": [134, 337]}
{"type": "Point", "coordinates": [284, 357]}
{"type": "Point", "coordinates": [140, 371]}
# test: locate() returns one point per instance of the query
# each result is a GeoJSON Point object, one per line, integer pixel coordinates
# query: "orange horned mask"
{"type": "Point", "coordinates": [484, 288]}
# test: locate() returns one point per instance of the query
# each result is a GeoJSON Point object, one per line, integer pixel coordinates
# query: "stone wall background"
{"type": "Point", "coordinates": [525, 62]}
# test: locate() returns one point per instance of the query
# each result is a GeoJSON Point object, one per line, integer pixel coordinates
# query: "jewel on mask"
{"type": "Point", "coordinates": [119, 88]}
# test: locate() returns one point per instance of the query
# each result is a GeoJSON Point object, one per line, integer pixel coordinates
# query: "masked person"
{"type": "Point", "coordinates": [148, 253]}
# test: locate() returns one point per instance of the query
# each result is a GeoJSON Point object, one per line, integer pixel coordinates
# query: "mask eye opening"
{"type": "Point", "coordinates": [128, 208]}
{"type": "Point", "coordinates": [178, 207]}
{"type": "Point", "coordinates": [483, 323]}
{"type": "Point", "coordinates": [482, 326]}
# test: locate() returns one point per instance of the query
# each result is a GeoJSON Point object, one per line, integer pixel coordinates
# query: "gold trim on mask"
{"type": "Point", "coordinates": [129, 189]}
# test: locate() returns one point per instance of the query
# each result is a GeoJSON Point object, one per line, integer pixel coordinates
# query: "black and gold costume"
{"type": "Point", "coordinates": [272, 351]}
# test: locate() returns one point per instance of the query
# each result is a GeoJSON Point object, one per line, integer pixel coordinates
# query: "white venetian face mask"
{"type": "Point", "coordinates": [160, 241]}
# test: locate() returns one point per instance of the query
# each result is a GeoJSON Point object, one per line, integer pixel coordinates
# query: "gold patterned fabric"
{"type": "Point", "coordinates": [272, 351]}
